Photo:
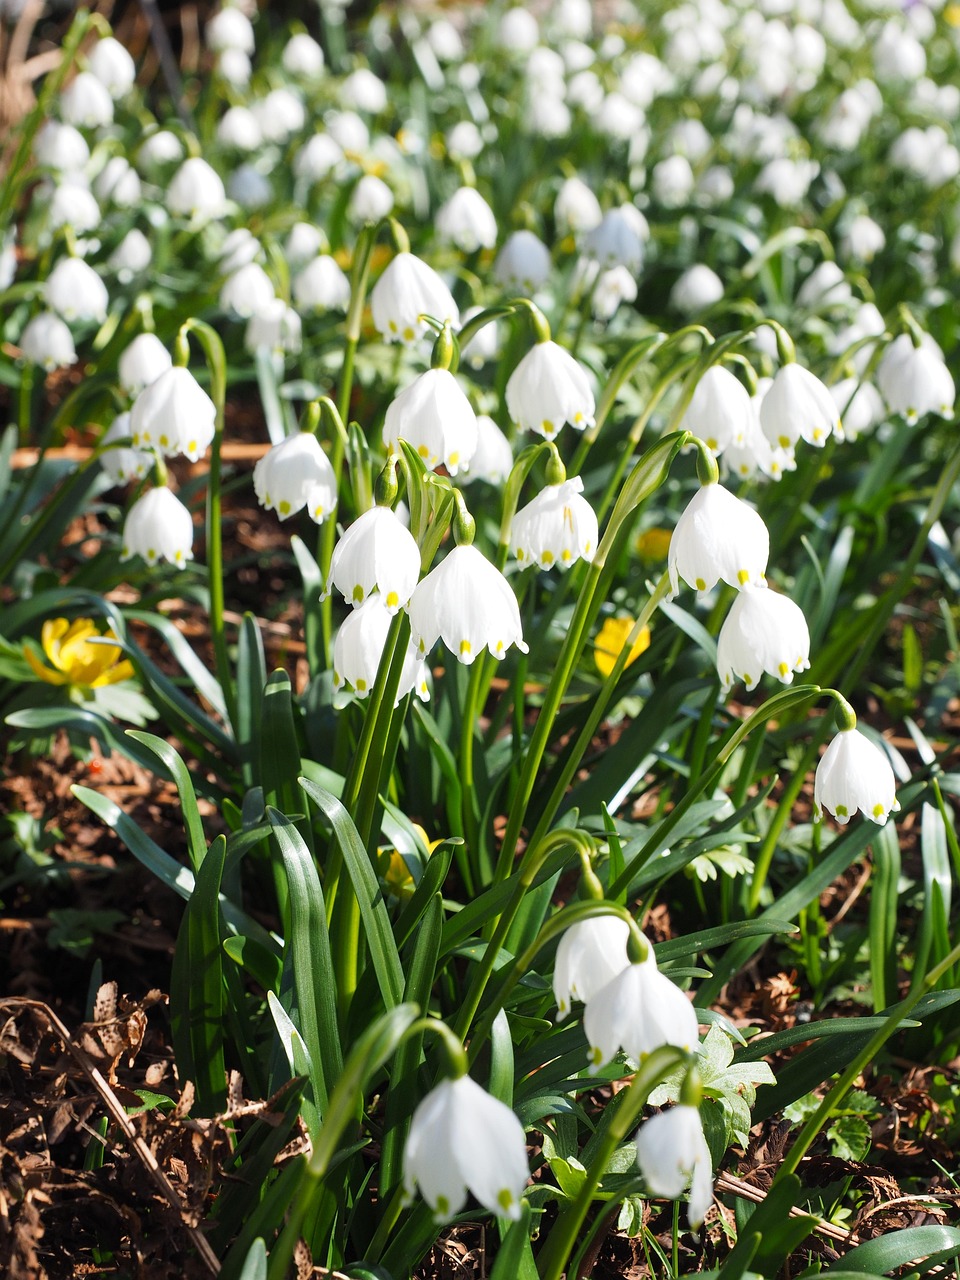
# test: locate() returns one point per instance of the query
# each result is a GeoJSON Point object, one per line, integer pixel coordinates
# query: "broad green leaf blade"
{"type": "Point", "coordinates": [251, 682]}
{"type": "Point", "coordinates": [262, 965]}
{"type": "Point", "coordinates": [514, 1260]}
{"type": "Point", "coordinates": [279, 752]}
{"type": "Point", "coordinates": [255, 1267]}
{"type": "Point", "coordinates": [779, 1233]}
{"type": "Point", "coordinates": [373, 910]}
{"type": "Point", "coordinates": [196, 840]}
{"type": "Point", "coordinates": [900, 1248]}
{"type": "Point", "coordinates": [197, 1006]}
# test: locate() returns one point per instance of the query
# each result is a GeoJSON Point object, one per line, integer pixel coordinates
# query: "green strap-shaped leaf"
{"type": "Point", "coordinates": [196, 840]}
{"type": "Point", "coordinates": [255, 1267]}
{"type": "Point", "coordinates": [307, 951]}
{"type": "Point", "coordinates": [279, 764]}
{"type": "Point", "coordinates": [779, 1233]}
{"type": "Point", "coordinates": [251, 681]}
{"type": "Point", "coordinates": [197, 1012]}
{"type": "Point", "coordinates": [373, 910]}
{"type": "Point", "coordinates": [515, 1260]}
{"type": "Point", "coordinates": [899, 1248]}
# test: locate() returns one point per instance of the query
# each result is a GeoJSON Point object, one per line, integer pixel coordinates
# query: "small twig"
{"type": "Point", "coordinates": [730, 1184]}
{"type": "Point", "coordinates": [119, 1116]}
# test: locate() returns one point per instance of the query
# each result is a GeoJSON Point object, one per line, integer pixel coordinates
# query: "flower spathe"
{"type": "Point", "coordinates": [407, 290]}
{"type": "Point", "coordinates": [763, 632]}
{"type": "Point", "coordinates": [461, 1139]}
{"type": "Point", "coordinates": [590, 954]}
{"type": "Point", "coordinates": [853, 774]}
{"type": "Point", "coordinates": [158, 527]}
{"type": "Point", "coordinates": [377, 553]}
{"type": "Point", "coordinates": [548, 388]}
{"type": "Point", "coordinates": [469, 604]}
{"type": "Point", "coordinates": [637, 1011]}
{"type": "Point", "coordinates": [435, 417]}
{"type": "Point", "coordinates": [175, 415]}
{"type": "Point", "coordinates": [558, 527]}
{"type": "Point", "coordinates": [294, 474]}
{"type": "Point", "coordinates": [673, 1154]}
{"type": "Point", "coordinates": [718, 537]}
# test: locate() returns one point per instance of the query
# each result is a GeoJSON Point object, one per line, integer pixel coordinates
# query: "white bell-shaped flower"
{"type": "Point", "coordinates": [303, 243]}
{"type": "Point", "coordinates": [275, 327]}
{"type": "Point", "coordinates": [196, 191]}
{"type": "Point", "coordinates": [86, 103]}
{"type": "Point", "coordinates": [859, 404]}
{"type": "Point", "coordinates": [548, 388]}
{"type": "Point", "coordinates": [763, 632]}
{"type": "Point", "coordinates": [118, 183]}
{"type": "Point", "coordinates": [249, 188]}
{"type": "Point", "coordinates": [61, 147]}
{"type": "Point", "coordinates": [247, 291]}
{"type": "Point", "coordinates": [142, 362]}
{"type": "Point", "coordinates": [436, 418]}
{"type": "Point", "coordinates": [131, 256]}
{"type": "Point", "coordinates": [238, 128]}
{"type": "Point", "coordinates": [559, 527]}
{"type": "Point", "coordinates": [8, 260]}
{"type": "Point", "coordinates": [523, 263]}
{"type": "Point", "coordinates": [302, 56]}
{"type": "Point", "coordinates": [363, 90]}
{"type": "Point", "coordinates": [718, 537]}
{"type": "Point", "coordinates": [158, 527]}
{"type": "Point", "coordinates": [464, 141]}
{"type": "Point", "coordinates": [321, 286]}
{"type": "Point", "coordinates": [358, 650]}
{"type": "Point", "coordinates": [612, 287]}
{"type": "Point", "coordinates": [467, 221]}
{"type": "Point", "coordinates": [75, 291]}
{"type": "Point", "coordinates": [47, 341]}
{"type": "Point", "coordinates": [485, 343]}
{"type": "Point", "coordinates": [673, 1154]}
{"type": "Point", "coordinates": [75, 206]}
{"type": "Point", "coordinates": [915, 380]}
{"type": "Point", "coordinates": [590, 954]}
{"type": "Point", "coordinates": [317, 158]}
{"type": "Point", "coordinates": [853, 774]}
{"type": "Point", "coordinates": [468, 603]}
{"type": "Point", "coordinates": [407, 290]}
{"type": "Point", "coordinates": [113, 66]}
{"type": "Point", "coordinates": [370, 201]}
{"type": "Point", "coordinates": [377, 553]}
{"type": "Point", "coordinates": [461, 1139]}
{"type": "Point", "coordinates": [239, 247]}
{"type": "Point", "coordinates": [158, 149]}
{"type": "Point", "coordinates": [493, 458]}
{"type": "Point", "coordinates": [175, 415]}
{"type": "Point", "coordinates": [123, 463]}
{"type": "Point", "coordinates": [576, 208]}
{"type": "Point", "coordinates": [235, 67]}
{"type": "Point", "coordinates": [719, 412]}
{"type": "Point", "coordinates": [229, 29]}
{"type": "Point", "coordinates": [294, 474]}
{"type": "Point", "coordinates": [638, 1011]}
{"type": "Point", "coordinates": [697, 289]}
{"type": "Point", "coordinates": [798, 407]}
{"type": "Point", "coordinates": [618, 240]}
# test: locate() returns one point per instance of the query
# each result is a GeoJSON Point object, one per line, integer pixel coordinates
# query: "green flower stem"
{"type": "Point", "coordinates": [552, 1259]}
{"type": "Point", "coordinates": [867, 1054]}
{"type": "Point", "coordinates": [645, 349]}
{"type": "Point", "coordinates": [772, 708]}
{"type": "Point", "coordinates": [25, 404]}
{"type": "Point", "coordinates": [477, 684]}
{"type": "Point", "coordinates": [533, 861]}
{"type": "Point", "coordinates": [646, 476]}
{"type": "Point", "coordinates": [600, 703]}
{"type": "Point", "coordinates": [216, 360]}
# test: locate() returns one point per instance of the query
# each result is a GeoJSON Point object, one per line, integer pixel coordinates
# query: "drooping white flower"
{"type": "Point", "coordinates": [763, 632]}
{"type": "Point", "coordinates": [518, 32]}
{"type": "Point", "coordinates": [158, 149]}
{"type": "Point", "coordinates": [239, 247]}
{"type": "Point", "coordinates": [590, 954]}
{"type": "Point", "coordinates": [523, 263]}
{"type": "Point", "coordinates": [469, 604]}
{"type": "Point", "coordinates": [467, 221]}
{"type": "Point", "coordinates": [673, 1154]}
{"type": "Point", "coordinates": [8, 260]}
{"type": "Point", "coordinates": [321, 286]}
{"type": "Point", "coordinates": [235, 67]}
{"type": "Point", "coordinates": [853, 774]}
{"type": "Point", "coordinates": [915, 380]}
{"type": "Point", "coordinates": [358, 650]}
{"type": "Point", "coordinates": [142, 362]}
{"type": "Point", "coordinates": [61, 147]}
{"type": "Point", "coordinates": [825, 287]}
{"type": "Point", "coordinates": [407, 290]}
{"type": "Point", "coordinates": [558, 527]}
{"type": "Point", "coordinates": [612, 287]}
{"type": "Point", "coordinates": [280, 114]}
{"type": "Point", "coordinates": [118, 183]}
{"type": "Point", "coordinates": [302, 56]}
{"type": "Point", "coordinates": [304, 242]}
{"type": "Point", "coordinates": [637, 1011]}
{"type": "Point", "coordinates": [719, 412]}
{"type": "Point", "coordinates": [697, 289]}
{"type": "Point", "coordinates": [196, 191]}
{"type": "Point", "coordinates": [230, 28]}
{"type": "Point", "coordinates": [158, 527]}
{"type": "Point", "coordinates": [436, 418]}
{"type": "Point", "coordinates": [123, 463]}
{"type": "Point", "coordinates": [485, 343]}
{"type": "Point", "coordinates": [370, 200]}
{"type": "Point", "coordinates": [113, 66]}
{"type": "Point", "coordinates": [294, 474]}
{"type": "Point", "coordinates": [249, 188]}
{"type": "Point", "coordinates": [461, 1139]}
{"type": "Point", "coordinates": [239, 128]}
{"type": "Point", "coordinates": [363, 90]}
{"type": "Point", "coordinates": [174, 414]}
{"type": "Point", "coordinates": [131, 256]}
{"type": "Point", "coordinates": [47, 341]}
{"type": "Point", "coordinates": [576, 208]}
{"type": "Point", "coordinates": [86, 103]}
{"type": "Point", "coordinates": [548, 388]}
{"type": "Point", "coordinates": [756, 453]}
{"type": "Point", "coordinates": [275, 327]}
{"type": "Point", "coordinates": [718, 537]}
{"type": "Point", "coordinates": [317, 158]}
{"type": "Point", "coordinates": [673, 181]}
{"type": "Point", "coordinates": [246, 291]}
{"type": "Point", "coordinates": [493, 458]}
{"type": "Point", "coordinates": [75, 291]}
{"type": "Point", "coordinates": [75, 206]}
{"type": "Point", "coordinates": [377, 553]}
{"type": "Point", "coordinates": [348, 131]}
{"type": "Point", "coordinates": [464, 141]}
{"type": "Point", "coordinates": [859, 404]}
{"type": "Point", "coordinates": [863, 238]}
{"type": "Point", "coordinates": [618, 239]}
{"type": "Point", "coordinates": [798, 406]}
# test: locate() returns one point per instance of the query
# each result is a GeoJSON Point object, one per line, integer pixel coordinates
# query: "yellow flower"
{"type": "Point", "coordinates": [612, 639]}
{"type": "Point", "coordinates": [652, 545]}
{"type": "Point", "coordinates": [952, 14]}
{"type": "Point", "coordinates": [395, 870]}
{"type": "Point", "coordinates": [75, 660]}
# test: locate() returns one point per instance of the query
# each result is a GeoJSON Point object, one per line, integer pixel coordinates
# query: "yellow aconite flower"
{"type": "Point", "coordinates": [611, 640]}
{"type": "Point", "coordinates": [75, 660]}
{"type": "Point", "coordinates": [952, 14]}
{"type": "Point", "coordinates": [395, 870]}
{"type": "Point", "coordinates": [652, 545]}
